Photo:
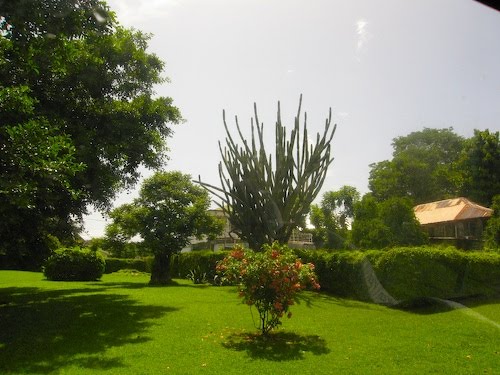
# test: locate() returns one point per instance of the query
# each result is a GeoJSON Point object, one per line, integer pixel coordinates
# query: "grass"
{"type": "Point", "coordinates": [122, 326]}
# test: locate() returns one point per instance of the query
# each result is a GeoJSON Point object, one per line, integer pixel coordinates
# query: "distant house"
{"type": "Point", "coordinates": [229, 238]}
{"type": "Point", "coordinates": [456, 219]}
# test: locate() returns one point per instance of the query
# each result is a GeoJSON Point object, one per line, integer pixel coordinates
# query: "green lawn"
{"type": "Point", "coordinates": [120, 325]}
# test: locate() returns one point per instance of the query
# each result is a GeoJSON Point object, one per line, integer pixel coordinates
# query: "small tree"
{"type": "Point", "coordinates": [268, 280]}
{"type": "Point", "coordinates": [169, 210]}
{"type": "Point", "coordinates": [265, 199]}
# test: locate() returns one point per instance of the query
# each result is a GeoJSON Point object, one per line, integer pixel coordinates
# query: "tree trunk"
{"type": "Point", "coordinates": [160, 272]}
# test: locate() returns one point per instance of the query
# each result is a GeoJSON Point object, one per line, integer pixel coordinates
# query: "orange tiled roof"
{"type": "Point", "coordinates": [450, 210]}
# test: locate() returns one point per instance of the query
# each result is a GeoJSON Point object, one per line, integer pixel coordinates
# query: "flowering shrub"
{"type": "Point", "coordinates": [268, 280]}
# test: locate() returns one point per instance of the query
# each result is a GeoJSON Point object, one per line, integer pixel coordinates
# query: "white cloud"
{"type": "Point", "coordinates": [132, 13]}
{"type": "Point", "coordinates": [363, 35]}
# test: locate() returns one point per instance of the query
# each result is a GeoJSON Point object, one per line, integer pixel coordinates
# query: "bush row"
{"type": "Point", "coordinates": [406, 273]}
{"type": "Point", "coordinates": [116, 264]}
{"type": "Point", "coordinates": [203, 262]}
{"type": "Point", "coordinates": [384, 276]}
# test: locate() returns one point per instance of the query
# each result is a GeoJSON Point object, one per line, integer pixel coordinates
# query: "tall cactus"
{"type": "Point", "coordinates": [264, 203]}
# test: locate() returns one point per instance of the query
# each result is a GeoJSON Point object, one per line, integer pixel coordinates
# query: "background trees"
{"type": "Point", "coordinates": [384, 224]}
{"type": "Point", "coordinates": [78, 116]}
{"type": "Point", "coordinates": [480, 164]}
{"type": "Point", "coordinates": [265, 202]}
{"type": "Point", "coordinates": [436, 164]}
{"type": "Point", "coordinates": [423, 168]}
{"type": "Point", "coordinates": [492, 231]}
{"type": "Point", "coordinates": [332, 219]}
{"type": "Point", "coordinates": [169, 210]}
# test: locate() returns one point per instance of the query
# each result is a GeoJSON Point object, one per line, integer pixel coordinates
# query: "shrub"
{"type": "Point", "coordinates": [197, 276]}
{"type": "Point", "coordinates": [74, 264]}
{"type": "Point", "coordinates": [268, 280]}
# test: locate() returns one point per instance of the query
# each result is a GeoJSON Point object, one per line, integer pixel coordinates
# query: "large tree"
{"type": "Point", "coordinates": [265, 199]}
{"type": "Point", "coordinates": [170, 209]}
{"type": "Point", "coordinates": [424, 167]}
{"type": "Point", "coordinates": [332, 218]}
{"type": "Point", "coordinates": [78, 115]}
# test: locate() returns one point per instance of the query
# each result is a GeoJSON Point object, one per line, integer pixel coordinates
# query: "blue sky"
{"type": "Point", "coordinates": [386, 68]}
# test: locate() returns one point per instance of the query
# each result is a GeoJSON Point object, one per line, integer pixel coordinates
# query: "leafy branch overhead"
{"type": "Point", "coordinates": [266, 198]}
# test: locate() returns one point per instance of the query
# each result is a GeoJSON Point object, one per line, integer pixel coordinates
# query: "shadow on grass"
{"type": "Point", "coordinates": [279, 346]}
{"type": "Point", "coordinates": [431, 305]}
{"type": "Point", "coordinates": [42, 331]}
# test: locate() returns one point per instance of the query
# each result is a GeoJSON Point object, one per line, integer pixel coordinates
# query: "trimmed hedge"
{"type": "Point", "coordinates": [408, 273]}
{"type": "Point", "coordinates": [382, 276]}
{"type": "Point", "coordinates": [74, 264]}
{"type": "Point", "coordinates": [201, 261]}
{"type": "Point", "coordinates": [117, 264]}
{"type": "Point", "coordinates": [341, 272]}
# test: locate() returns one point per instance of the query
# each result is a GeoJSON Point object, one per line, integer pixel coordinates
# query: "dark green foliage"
{"type": "Point", "coordinates": [386, 224]}
{"type": "Point", "coordinates": [265, 202]}
{"type": "Point", "coordinates": [482, 270]}
{"type": "Point", "coordinates": [117, 264]}
{"type": "Point", "coordinates": [481, 167]}
{"type": "Point", "coordinates": [118, 248]}
{"type": "Point", "coordinates": [340, 272]}
{"type": "Point", "coordinates": [203, 262]}
{"type": "Point", "coordinates": [423, 167]}
{"type": "Point", "coordinates": [412, 273]}
{"type": "Point", "coordinates": [331, 220]}
{"type": "Point", "coordinates": [405, 273]}
{"type": "Point", "coordinates": [444, 273]}
{"type": "Point", "coordinates": [492, 231]}
{"type": "Point", "coordinates": [74, 264]}
{"type": "Point", "coordinates": [78, 118]}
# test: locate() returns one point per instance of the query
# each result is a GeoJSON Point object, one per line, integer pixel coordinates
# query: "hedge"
{"type": "Point", "coordinates": [382, 276]}
{"type": "Point", "coordinates": [202, 261]}
{"type": "Point", "coordinates": [180, 264]}
{"type": "Point", "coordinates": [140, 264]}
{"type": "Point", "coordinates": [408, 273]}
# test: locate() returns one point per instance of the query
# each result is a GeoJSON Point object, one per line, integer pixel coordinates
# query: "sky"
{"type": "Point", "coordinates": [386, 68]}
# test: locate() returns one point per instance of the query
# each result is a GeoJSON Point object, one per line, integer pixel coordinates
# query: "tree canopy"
{"type": "Point", "coordinates": [385, 224]}
{"type": "Point", "coordinates": [436, 164]}
{"type": "Point", "coordinates": [492, 230]}
{"type": "Point", "coordinates": [332, 218]}
{"type": "Point", "coordinates": [78, 115]}
{"type": "Point", "coordinates": [480, 164]}
{"type": "Point", "coordinates": [170, 209]}
{"type": "Point", "coordinates": [423, 168]}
